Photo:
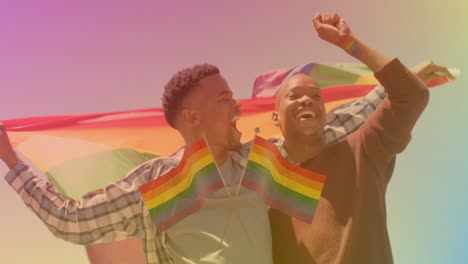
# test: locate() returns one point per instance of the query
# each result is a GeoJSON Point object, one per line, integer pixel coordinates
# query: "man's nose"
{"type": "Point", "coordinates": [237, 103]}
{"type": "Point", "coordinates": [305, 100]}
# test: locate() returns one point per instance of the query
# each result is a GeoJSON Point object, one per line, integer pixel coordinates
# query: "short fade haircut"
{"type": "Point", "coordinates": [180, 85]}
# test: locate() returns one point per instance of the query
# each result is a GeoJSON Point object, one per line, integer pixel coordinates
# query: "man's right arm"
{"type": "Point", "coordinates": [101, 216]}
{"type": "Point", "coordinates": [104, 215]}
{"type": "Point", "coordinates": [347, 118]}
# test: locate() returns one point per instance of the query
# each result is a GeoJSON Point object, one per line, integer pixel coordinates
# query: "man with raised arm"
{"type": "Point", "coordinates": [349, 224]}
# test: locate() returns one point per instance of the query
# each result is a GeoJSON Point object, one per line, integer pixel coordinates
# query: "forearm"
{"type": "Point", "coordinates": [371, 57]}
{"type": "Point", "coordinates": [347, 118]}
{"type": "Point", "coordinates": [11, 160]}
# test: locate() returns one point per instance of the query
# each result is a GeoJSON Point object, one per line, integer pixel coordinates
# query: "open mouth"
{"type": "Point", "coordinates": [234, 124]}
{"type": "Point", "coordinates": [306, 115]}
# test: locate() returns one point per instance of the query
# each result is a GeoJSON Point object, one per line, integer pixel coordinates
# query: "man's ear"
{"type": "Point", "coordinates": [186, 115]}
{"type": "Point", "coordinates": [191, 117]}
{"type": "Point", "coordinates": [195, 118]}
{"type": "Point", "coordinates": [275, 118]}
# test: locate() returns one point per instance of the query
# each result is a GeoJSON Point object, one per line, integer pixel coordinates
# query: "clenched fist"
{"type": "Point", "coordinates": [330, 27]}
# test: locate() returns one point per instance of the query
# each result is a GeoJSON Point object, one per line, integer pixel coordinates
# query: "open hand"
{"type": "Point", "coordinates": [330, 27]}
{"type": "Point", "coordinates": [428, 71]}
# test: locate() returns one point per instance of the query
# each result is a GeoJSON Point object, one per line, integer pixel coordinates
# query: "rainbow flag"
{"type": "Point", "coordinates": [282, 185]}
{"type": "Point", "coordinates": [182, 191]}
{"type": "Point", "coordinates": [83, 152]}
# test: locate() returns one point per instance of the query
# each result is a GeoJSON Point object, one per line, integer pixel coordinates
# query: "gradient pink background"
{"type": "Point", "coordinates": [63, 57]}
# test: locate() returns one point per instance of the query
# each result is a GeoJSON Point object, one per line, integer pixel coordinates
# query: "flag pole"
{"type": "Point", "coordinates": [230, 196]}
{"type": "Point", "coordinates": [228, 222]}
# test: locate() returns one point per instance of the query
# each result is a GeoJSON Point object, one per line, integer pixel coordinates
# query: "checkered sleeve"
{"type": "Point", "coordinates": [347, 118]}
{"type": "Point", "coordinates": [101, 216]}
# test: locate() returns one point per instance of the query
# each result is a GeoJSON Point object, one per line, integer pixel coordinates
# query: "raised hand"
{"type": "Point", "coordinates": [428, 71]}
{"type": "Point", "coordinates": [330, 27]}
{"type": "Point", "coordinates": [7, 154]}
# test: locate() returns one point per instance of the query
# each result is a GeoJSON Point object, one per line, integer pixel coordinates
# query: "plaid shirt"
{"type": "Point", "coordinates": [117, 212]}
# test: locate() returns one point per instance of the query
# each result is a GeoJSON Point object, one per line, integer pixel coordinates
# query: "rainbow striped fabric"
{"type": "Point", "coordinates": [349, 75]}
{"type": "Point", "coordinates": [84, 152]}
{"type": "Point", "coordinates": [282, 185]}
{"type": "Point", "coordinates": [182, 191]}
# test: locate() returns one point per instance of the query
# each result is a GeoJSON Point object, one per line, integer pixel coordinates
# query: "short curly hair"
{"type": "Point", "coordinates": [180, 85]}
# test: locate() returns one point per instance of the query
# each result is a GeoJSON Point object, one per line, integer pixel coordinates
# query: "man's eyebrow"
{"type": "Point", "coordinates": [302, 87]}
{"type": "Point", "coordinates": [224, 92]}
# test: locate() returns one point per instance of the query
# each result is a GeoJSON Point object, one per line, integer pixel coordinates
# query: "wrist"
{"type": "Point", "coordinates": [350, 45]}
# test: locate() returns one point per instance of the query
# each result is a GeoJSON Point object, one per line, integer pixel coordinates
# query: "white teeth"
{"type": "Point", "coordinates": [306, 112]}
{"type": "Point", "coordinates": [234, 121]}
